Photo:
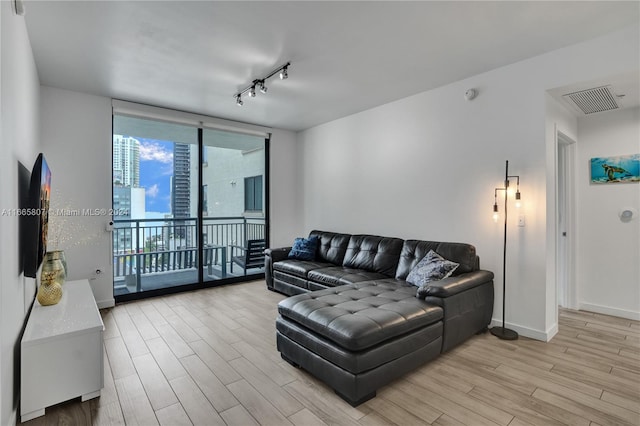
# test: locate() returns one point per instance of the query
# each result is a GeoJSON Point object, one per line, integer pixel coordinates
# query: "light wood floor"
{"type": "Point", "coordinates": [209, 358]}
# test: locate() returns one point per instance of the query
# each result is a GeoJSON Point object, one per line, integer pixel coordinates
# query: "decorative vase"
{"type": "Point", "coordinates": [58, 254]}
{"type": "Point", "coordinates": [52, 277]}
{"type": "Point", "coordinates": [49, 292]}
{"type": "Point", "coordinates": [55, 261]}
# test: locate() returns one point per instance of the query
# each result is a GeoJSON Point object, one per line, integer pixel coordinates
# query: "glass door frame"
{"type": "Point", "coordinates": [201, 284]}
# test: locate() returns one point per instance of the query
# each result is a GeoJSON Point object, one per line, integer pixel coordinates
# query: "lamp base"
{"type": "Point", "coordinates": [504, 333]}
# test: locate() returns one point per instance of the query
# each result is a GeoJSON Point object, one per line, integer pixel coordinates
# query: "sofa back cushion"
{"type": "Point", "coordinates": [373, 253]}
{"type": "Point", "coordinates": [331, 246]}
{"type": "Point", "coordinates": [414, 250]}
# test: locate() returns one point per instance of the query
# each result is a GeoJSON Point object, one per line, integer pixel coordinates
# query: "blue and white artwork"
{"type": "Point", "coordinates": [625, 168]}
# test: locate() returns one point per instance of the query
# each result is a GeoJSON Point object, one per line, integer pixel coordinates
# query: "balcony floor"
{"type": "Point", "coordinates": [158, 280]}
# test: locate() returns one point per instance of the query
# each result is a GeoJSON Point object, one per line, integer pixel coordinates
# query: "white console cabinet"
{"type": "Point", "coordinates": [61, 351]}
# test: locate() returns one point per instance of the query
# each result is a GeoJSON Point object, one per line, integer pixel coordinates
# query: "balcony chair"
{"type": "Point", "coordinates": [252, 256]}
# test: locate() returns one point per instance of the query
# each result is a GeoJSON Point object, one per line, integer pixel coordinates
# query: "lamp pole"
{"type": "Point", "coordinates": [502, 332]}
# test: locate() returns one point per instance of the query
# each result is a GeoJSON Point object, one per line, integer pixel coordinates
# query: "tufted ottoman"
{"type": "Point", "coordinates": [359, 337]}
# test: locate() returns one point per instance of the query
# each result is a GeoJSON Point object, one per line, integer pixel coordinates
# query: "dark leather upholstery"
{"type": "Point", "coordinates": [373, 253]}
{"type": "Point", "coordinates": [355, 388]}
{"type": "Point", "coordinates": [358, 362]}
{"type": "Point", "coordinates": [454, 285]}
{"type": "Point", "coordinates": [334, 276]}
{"type": "Point", "coordinates": [360, 336]}
{"type": "Point", "coordinates": [272, 256]}
{"type": "Point", "coordinates": [298, 268]}
{"type": "Point", "coordinates": [466, 313]}
{"type": "Point", "coordinates": [288, 288]}
{"type": "Point", "coordinates": [361, 258]}
{"type": "Point", "coordinates": [291, 280]}
{"type": "Point", "coordinates": [361, 315]}
{"type": "Point", "coordinates": [414, 250]}
{"type": "Point", "coordinates": [331, 246]}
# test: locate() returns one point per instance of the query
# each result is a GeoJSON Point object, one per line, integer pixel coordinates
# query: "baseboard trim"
{"type": "Point", "coordinates": [607, 310]}
{"type": "Point", "coordinates": [13, 420]}
{"type": "Point", "coordinates": [552, 332]}
{"type": "Point", "coordinates": [109, 303]}
{"type": "Point", "coordinates": [525, 331]}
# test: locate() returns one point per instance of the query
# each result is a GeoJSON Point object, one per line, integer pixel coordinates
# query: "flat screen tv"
{"type": "Point", "coordinates": [37, 217]}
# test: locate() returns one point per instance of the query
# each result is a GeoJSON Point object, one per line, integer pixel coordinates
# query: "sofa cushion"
{"type": "Point", "coordinates": [333, 276]}
{"type": "Point", "coordinates": [298, 268]}
{"type": "Point", "coordinates": [331, 246]}
{"type": "Point", "coordinates": [414, 250]}
{"type": "Point", "coordinates": [432, 267]}
{"type": "Point", "coordinates": [373, 253]}
{"type": "Point", "coordinates": [304, 248]}
{"type": "Point", "coordinates": [361, 315]}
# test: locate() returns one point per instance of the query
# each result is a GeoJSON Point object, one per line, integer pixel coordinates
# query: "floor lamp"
{"type": "Point", "coordinates": [502, 332]}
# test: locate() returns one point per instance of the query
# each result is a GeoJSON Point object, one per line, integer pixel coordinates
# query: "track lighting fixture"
{"type": "Point", "coordinates": [260, 84]}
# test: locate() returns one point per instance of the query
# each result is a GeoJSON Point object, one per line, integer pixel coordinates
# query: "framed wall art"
{"type": "Point", "coordinates": [625, 168]}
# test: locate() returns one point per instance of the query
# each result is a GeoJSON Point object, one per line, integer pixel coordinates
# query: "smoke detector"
{"type": "Point", "coordinates": [593, 100]}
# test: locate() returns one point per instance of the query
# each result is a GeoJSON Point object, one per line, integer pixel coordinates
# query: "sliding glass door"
{"type": "Point", "coordinates": [233, 173]}
{"type": "Point", "coordinates": [187, 202]}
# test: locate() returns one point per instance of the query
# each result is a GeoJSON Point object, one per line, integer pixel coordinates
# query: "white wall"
{"type": "Point", "coordinates": [19, 91]}
{"type": "Point", "coordinates": [76, 139]}
{"type": "Point", "coordinates": [608, 249]}
{"type": "Point", "coordinates": [426, 167]}
{"type": "Point", "coordinates": [285, 215]}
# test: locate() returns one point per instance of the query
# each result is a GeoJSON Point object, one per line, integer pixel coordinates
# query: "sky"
{"type": "Point", "coordinates": [156, 169]}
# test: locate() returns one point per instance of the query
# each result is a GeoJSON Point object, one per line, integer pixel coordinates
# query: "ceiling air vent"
{"type": "Point", "coordinates": [593, 100]}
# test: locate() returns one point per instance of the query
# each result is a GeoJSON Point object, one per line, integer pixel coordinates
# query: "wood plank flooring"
{"type": "Point", "coordinates": [208, 358]}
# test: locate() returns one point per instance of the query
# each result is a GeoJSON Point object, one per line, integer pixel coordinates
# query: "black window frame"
{"type": "Point", "coordinates": [253, 200]}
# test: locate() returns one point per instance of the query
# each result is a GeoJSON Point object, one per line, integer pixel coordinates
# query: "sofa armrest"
{"type": "Point", "coordinates": [272, 255]}
{"type": "Point", "coordinates": [454, 285]}
{"type": "Point", "coordinates": [277, 254]}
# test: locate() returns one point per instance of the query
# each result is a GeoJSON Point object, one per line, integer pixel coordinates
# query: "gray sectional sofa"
{"type": "Point", "coordinates": [354, 322]}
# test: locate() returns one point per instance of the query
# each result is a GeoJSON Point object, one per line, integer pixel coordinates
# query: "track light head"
{"type": "Point", "coordinates": [252, 91]}
{"type": "Point", "coordinates": [19, 7]}
{"type": "Point", "coordinates": [263, 88]}
{"type": "Point", "coordinates": [239, 101]}
{"type": "Point", "coordinates": [283, 73]}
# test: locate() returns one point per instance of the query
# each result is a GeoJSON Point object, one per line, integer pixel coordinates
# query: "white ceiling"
{"type": "Point", "coordinates": [346, 56]}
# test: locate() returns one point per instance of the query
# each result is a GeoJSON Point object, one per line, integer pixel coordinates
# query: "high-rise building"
{"type": "Point", "coordinates": [126, 161]}
{"type": "Point", "coordinates": [181, 182]}
{"type": "Point", "coordinates": [180, 193]}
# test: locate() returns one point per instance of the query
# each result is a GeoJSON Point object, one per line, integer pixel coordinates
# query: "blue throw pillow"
{"type": "Point", "coordinates": [304, 248]}
{"type": "Point", "coordinates": [432, 267]}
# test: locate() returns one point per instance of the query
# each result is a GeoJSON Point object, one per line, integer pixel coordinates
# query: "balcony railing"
{"type": "Point", "coordinates": [144, 247]}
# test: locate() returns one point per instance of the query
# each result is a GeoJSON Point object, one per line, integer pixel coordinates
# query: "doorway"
{"type": "Point", "coordinates": [565, 219]}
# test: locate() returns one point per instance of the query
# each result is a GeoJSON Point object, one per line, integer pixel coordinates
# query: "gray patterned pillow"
{"type": "Point", "coordinates": [432, 267]}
